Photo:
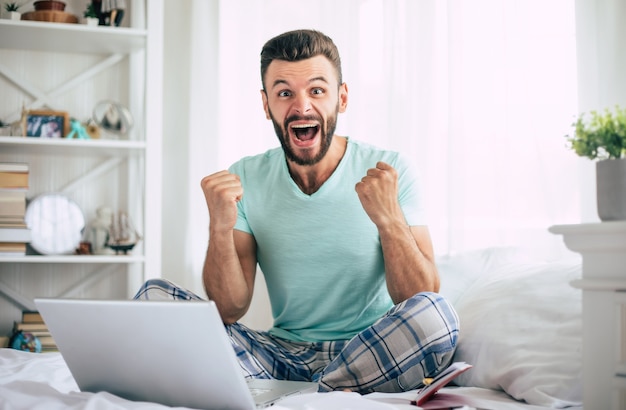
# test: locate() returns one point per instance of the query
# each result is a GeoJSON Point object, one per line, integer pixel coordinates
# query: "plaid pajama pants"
{"type": "Point", "coordinates": [414, 340]}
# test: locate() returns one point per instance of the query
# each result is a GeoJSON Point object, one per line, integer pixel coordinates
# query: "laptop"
{"type": "Point", "coordinates": [175, 353]}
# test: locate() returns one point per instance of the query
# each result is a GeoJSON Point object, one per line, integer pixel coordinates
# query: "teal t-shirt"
{"type": "Point", "coordinates": [320, 254]}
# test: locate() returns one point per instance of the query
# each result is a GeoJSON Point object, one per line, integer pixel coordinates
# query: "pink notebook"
{"type": "Point", "coordinates": [440, 381]}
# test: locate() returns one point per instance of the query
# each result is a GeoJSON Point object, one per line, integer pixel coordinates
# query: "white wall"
{"type": "Point", "coordinates": [180, 184]}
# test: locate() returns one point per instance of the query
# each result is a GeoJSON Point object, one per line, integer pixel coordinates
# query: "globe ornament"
{"type": "Point", "coordinates": [26, 342]}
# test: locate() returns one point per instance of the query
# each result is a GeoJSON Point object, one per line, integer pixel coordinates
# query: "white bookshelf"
{"type": "Point", "coordinates": [70, 67]}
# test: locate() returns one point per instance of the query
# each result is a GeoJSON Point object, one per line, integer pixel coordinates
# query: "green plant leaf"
{"type": "Point", "coordinates": [600, 135]}
{"type": "Point", "coordinates": [12, 6]}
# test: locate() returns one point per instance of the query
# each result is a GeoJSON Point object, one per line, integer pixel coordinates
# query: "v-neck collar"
{"type": "Point", "coordinates": [328, 184]}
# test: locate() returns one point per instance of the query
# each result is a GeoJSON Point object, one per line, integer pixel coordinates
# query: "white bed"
{"type": "Point", "coordinates": [521, 329]}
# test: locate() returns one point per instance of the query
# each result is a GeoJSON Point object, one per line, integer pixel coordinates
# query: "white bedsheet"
{"type": "Point", "coordinates": [43, 381]}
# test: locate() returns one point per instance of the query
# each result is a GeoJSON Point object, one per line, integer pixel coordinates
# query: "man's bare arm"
{"type": "Point", "coordinates": [229, 272]}
{"type": "Point", "coordinates": [230, 264]}
{"type": "Point", "coordinates": [407, 251]}
{"type": "Point", "coordinates": [409, 261]}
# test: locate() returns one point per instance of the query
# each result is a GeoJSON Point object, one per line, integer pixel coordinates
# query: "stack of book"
{"type": "Point", "coordinates": [33, 323]}
{"type": "Point", "coordinates": [14, 234]}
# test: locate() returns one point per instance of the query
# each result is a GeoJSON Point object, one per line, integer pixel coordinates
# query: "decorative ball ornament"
{"type": "Point", "coordinates": [26, 342]}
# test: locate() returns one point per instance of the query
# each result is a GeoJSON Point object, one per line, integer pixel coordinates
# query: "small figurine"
{"type": "Point", "coordinates": [77, 131]}
{"type": "Point", "coordinates": [110, 12]}
{"type": "Point", "coordinates": [98, 231]}
{"type": "Point", "coordinates": [84, 248]}
{"type": "Point", "coordinates": [92, 130]}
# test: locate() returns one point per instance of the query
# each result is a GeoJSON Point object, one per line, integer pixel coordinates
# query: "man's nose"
{"type": "Point", "coordinates": [302, 104]}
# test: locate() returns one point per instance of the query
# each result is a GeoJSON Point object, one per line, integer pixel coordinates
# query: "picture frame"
{"type": "Point", "coordinates": [46, 124]}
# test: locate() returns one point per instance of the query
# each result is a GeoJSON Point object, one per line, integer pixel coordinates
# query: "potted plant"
{"type": "Point", "coordinates": [12, 12]}
{"type": "Point", "coordinates": [602, 137]}
{"type": "Point", "coordinates": [91, 15]}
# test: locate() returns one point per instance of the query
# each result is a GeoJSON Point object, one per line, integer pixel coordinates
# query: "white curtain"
{"type": "Point", "coordinates": [479, 93]}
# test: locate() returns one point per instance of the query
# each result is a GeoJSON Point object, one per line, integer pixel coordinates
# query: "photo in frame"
{"type": "Point", "coordinates": [46, 124]}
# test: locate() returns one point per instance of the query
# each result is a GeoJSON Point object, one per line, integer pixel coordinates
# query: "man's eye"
{"type": "Point", "coordinates": [284, 94]}
{"type": "Point", "coordinates": [317, 91]}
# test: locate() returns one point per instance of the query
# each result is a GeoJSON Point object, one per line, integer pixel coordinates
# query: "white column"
{"type": "Point", "coordinates": [603, 250]}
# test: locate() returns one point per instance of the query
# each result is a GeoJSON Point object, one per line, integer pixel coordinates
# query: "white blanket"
{"type": "Point", "coordinates": [42, 381]}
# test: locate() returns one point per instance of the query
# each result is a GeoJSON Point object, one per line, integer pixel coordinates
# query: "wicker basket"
{"type": "Point", "coordinates": [49, 5]}
{"type": "Point", "coordinates": [51, 16]}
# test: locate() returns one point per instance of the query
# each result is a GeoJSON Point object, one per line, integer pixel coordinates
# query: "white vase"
{"type": "Point", "coordinates": [611, 189]}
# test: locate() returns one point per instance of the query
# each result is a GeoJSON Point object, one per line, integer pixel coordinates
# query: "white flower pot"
{"type": "Point", "coordinates": [611, 189]}
{"type": "Point", "coordinates": [90, 21]}
{"type": "Point", "coordinates": [13, 15]}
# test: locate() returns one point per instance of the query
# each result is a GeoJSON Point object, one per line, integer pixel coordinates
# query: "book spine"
{"type": "Point", "coordinates": [31, 317]}
{"type": "Point", "coordinates": [39, 328]}
{"type": "Point", "coordinates": [14, 180]}
{"type": "Point", "coordinates": [15, 235]}
{"type": "Point", "coordinates": [10, 207]}
{"type": "Point", "coordinates": [13, 167]}
{"type": "Point", "coordinates": [12, 247]}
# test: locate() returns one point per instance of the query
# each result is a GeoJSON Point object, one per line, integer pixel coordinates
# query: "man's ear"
{"type": "Point", "coordinates": [265, 104]}
{"type": "Point", "coordinates": [343, 97]}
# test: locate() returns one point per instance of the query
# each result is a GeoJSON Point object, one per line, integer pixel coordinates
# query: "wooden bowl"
{"type": "Point", "coordinates": [49, 5]}
{"type": "Point", "coordinates": [50, 16]}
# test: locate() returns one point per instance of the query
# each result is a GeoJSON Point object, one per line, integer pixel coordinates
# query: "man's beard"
{"type": "Point", "coordinates": [327, 131]}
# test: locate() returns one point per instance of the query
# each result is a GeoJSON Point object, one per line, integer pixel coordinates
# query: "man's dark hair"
{"type": "Point", "coordinates": [299, 45]}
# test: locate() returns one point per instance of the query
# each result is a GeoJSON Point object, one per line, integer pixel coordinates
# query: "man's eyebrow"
{"type": "Point", "coordinates": [312, 80]}
{"type": "Point", "coordinates": [279, 82]}
{"type": "Point", "coordinates": [320, 78]}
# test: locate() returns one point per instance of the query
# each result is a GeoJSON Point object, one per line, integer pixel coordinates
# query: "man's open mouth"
{"type": "Point", "coordinates": [305, 132]}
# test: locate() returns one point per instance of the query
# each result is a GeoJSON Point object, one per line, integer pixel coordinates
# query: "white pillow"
{"type": "Point", "coordinates": [521, 328]}
{"type": "Point", "coordinates": [460, 271]}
